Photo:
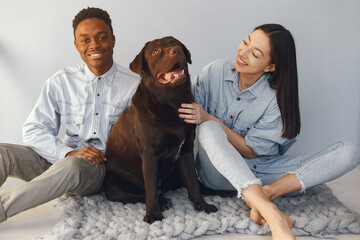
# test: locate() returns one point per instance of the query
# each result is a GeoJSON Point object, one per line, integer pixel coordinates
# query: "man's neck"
{"type": "Point", "coordinates": [100, 71]}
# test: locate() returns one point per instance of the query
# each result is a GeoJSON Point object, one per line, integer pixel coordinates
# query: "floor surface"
{"type": "Point", "coordinates": [40, 220]}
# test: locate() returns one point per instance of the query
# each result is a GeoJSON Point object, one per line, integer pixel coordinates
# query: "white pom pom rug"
{"type": "Point", "coordinates": [316, 213]}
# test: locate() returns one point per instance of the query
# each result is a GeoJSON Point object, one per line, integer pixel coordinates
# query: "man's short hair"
{"type": "Point", "coordinates": [92, 12]}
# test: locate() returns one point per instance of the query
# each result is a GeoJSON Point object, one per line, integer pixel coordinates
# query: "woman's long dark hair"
{"type": "Point", "coordinates": [285, 78]}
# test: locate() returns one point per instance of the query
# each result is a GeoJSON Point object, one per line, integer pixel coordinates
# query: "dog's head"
{"type": "Point", "coordinates": [164, 60]}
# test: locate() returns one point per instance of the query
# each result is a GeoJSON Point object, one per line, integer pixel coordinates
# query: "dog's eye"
{"type": "Point", "coordinates": [155, 51]}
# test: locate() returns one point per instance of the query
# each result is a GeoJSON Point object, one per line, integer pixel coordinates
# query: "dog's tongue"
{"type": "Point", "coordinates": [174, 74]}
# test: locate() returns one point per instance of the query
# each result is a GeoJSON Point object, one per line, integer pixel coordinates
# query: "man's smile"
{"type": "Point", "coordinates": [95, 55]}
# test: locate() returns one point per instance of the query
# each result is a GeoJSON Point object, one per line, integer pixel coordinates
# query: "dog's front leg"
{"type": "Point", "coordinates": [149, 168]}
{"type": "Point", "coordinates": [186, 167]}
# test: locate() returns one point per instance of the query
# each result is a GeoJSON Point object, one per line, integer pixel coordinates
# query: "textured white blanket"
{"type": "Point", "coordinates": [316, 213]}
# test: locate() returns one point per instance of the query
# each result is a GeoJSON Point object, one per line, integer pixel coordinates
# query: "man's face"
{"type": "Point", "coordinates": [95, 43]}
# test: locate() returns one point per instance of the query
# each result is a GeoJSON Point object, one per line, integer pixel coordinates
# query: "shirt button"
{"type": "Point", "coordinates": [94, 133]}
{"type": "Point", "coordinates": [231, 116]}
{"type": "Point", "coordinates": [98, 94]}
{"type": "Point", "coordinates": [238, 98]}
{"type": "Point", "coordinates": [96, 114]}
{"type": "Point", "coordinates": [99, 78]}
{"type": "Point", "coordinates": [254, 166]}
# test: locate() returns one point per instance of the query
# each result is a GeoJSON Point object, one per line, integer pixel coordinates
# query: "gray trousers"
{"type": "Point", "coordinates": [44, 181]}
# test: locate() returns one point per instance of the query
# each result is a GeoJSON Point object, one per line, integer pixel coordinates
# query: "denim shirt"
{"type": "Point", "coordinates": [87, 105]}
{"type": "Point", "coordinates": [252, 113]}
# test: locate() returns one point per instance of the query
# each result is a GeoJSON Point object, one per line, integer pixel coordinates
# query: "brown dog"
{"type": "Point", "coordinates": [150, 146]}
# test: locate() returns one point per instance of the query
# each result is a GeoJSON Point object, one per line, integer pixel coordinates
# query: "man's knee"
{"type": "Point", "coordinates": [86, 177]}
{"type": "Point", "coordinates": [76, 166]}
{"type": "Point", "coordinates": [3, 150]}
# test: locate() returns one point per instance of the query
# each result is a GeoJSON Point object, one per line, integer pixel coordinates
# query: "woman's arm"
{"type": "Point", "coordinates": [194, 114]}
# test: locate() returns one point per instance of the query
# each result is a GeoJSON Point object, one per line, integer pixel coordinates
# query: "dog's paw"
{"type": "Point", "coordinates": [152, 217]}
{"type": "Point", "coordinates": [203, 206]}
{"type": "Point", "coordinates": [164, 203]}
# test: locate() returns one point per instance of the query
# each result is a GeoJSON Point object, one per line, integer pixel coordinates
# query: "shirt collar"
{"type": "Point", "coordinates": [108, 76]}
{"type": "Point", "coordinates": [256, 89]}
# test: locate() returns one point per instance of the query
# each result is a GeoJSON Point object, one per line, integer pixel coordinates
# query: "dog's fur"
{"type": "Point", "coordinates": [150, 148]}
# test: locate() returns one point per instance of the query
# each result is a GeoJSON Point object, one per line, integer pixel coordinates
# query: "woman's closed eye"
{"type": "Point", "coordinates": [253, 53]}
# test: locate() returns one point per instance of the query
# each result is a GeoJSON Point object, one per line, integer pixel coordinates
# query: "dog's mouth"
{"type": "Point", "coordinates": [176, 73]}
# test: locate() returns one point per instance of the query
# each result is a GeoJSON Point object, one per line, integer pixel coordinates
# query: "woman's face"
{"type": "Point", "coordinates": [253, 56]}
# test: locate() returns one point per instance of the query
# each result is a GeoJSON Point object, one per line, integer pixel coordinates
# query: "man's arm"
{"type": "Point", "coordinates": [41, 128]}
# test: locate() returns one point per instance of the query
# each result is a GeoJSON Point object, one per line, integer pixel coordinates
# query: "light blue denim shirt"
{"type": "Point", "coordinates": [87, 105]}
{"type": "Point", "coordinates": [252, 113]}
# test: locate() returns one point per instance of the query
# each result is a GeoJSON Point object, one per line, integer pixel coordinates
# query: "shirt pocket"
{"type": "Point", "coordinates": [73, 124]}
{"type": "Point", "coordinates": [73, 118]}
{"type": "Point", "coordinates": [216, 110]}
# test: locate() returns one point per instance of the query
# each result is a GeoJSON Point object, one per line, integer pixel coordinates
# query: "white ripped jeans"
{"type": "Point", "coordinates": [220, 166]}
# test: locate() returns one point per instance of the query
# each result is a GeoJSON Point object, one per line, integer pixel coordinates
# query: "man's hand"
{"type": "Point", "coordinates": [89, 153]}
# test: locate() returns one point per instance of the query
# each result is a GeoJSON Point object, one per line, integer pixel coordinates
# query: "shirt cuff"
{"type": "Point", "coordinates": [61, 152]}
{"type": "Point", "coordinates": [261, 148]}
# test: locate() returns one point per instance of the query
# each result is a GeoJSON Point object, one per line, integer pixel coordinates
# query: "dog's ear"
{"type": "Point", "coordinates": [187, 53]}
{"type": "Point", "coordinates": [137, 64]}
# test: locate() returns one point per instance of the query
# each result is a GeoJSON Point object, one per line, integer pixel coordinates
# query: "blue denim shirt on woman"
{"type": "Point", "coordinates": [88, 106]}
{"type": "Point", "coordinates": [252, 113]}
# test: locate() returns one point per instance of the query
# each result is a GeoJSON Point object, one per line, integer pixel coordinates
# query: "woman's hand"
{"type": "Point", "coordinates": [193, 113]}
{"type": "Point", "coordinates": [89, 153]}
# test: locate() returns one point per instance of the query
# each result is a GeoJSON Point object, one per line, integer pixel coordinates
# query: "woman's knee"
{"type": "Point", "coordinates": [350, 152]}
{"type": "Point", "coordinates": [210, 130]}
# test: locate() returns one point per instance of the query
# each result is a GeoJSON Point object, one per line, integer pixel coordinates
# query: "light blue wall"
{"type": "Point", "coordinates": [36, 40]}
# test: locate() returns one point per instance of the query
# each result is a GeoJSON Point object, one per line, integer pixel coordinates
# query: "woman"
{"type": "Point", "coordinates": [248, 117]}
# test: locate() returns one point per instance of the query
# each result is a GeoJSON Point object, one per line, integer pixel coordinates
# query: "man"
{"type": "Point", "coordinates": [87, 99]}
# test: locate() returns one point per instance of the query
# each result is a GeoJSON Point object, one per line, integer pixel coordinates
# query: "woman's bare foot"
{"type": "Point", "coordinates": [280, 225]}
{"type": "Point", "coordinates": [255, 215]}
{"type": "Point", "coordinates": [268, 192]}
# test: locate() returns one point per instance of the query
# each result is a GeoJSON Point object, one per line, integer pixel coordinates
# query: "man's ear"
{"type": "Point", "coordinates": [137, 64]}
{"type": "Point", "coordinates": [270, 68]}
{"type": "Point", "coordinates": [76, 45]}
